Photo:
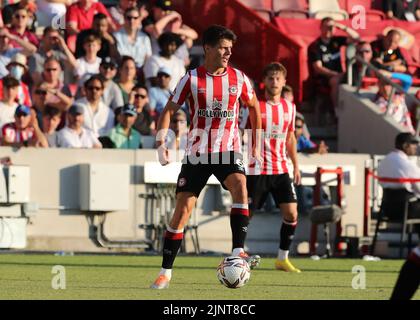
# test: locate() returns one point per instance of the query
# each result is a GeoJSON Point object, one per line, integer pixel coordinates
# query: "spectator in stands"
{"type": "Point", "coordinates": [325, 57]}
{"type": "Point", "coordinates": [168, 43]}
{"type": "Point", "coordinates": [117, 12]}
{"type": "Point", "coordinates": [402, 9]}
{"type": "Point", "coordinates": [397, 165]}
{"type": "Point", "coordinates": [159, 95]}
{"type": "Point", "coordinates": [100, 27]}
{"type": "Point", "coordinates": [164, 19]}
{"type": "Point", "coordinates": [8, 104]}
{"type": "Point", "coordinates": [177, 138]}
{"type": "Point", "coordinates": [10, 9]}
{"type": "Point", "coordinates": [131, 41]}
{"type": "Point", "coordinates": [58, 95]}
{"type": "Point", "coordinates": [97, 116]}
{"type": "Point", "coordinates": [387, 54]}
{"type": "Point", "coordinates": [19, 28]}
{"type": "Point", "coordinates": [397, 109]}
{"type": "Point", "coordinates": [287, 94]}
{"type": "Point", "coordinates": [52, 45]}
{"type": "Point", "coordinates": [127, 77]}
{"type": "Point", "coordinates": [112, 95]}
{"type": "Point", "coordinates": [89, 64]}
{"type": "Point", "coordinates": [364, 51]}
{"type": "Point", "coordinates": [304, 144]}
{"type": "Point", "coordinates": [51, 119]}
{"type": "Point", "coordinates": [74, 135]}
{"type": "Point", "coordinates": [79, 17]}
{"type": "Point", "coordinates": [124, 136]}
{"type": "Point", "coordinates": [145, 123]}
{"type": "Point", "coordinates": [7, 51]}
{"type": "Point", "coordinates": [24, 131]}
{"type": "Point", "coordinates": [51, 11]}
{"type": "Point", "coordinates": [17, 67]}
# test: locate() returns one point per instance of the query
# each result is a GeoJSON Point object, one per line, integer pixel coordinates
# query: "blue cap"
{"type": "Point", "coordinates": [129, 109]}
{"type": "Point", "coordinates": [22, 109]}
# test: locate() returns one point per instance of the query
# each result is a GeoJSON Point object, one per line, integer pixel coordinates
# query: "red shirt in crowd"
{"type": "Point", "coordinates": [84, 18]}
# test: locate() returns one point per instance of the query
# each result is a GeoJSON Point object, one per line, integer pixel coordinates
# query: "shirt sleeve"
{"type": "Point", "coordinates": [293, 117]}
{"type": "Point", "coordinates": [71, 15]}
{"type": "Point", "coordinates": [101, 8]}
{"type": "Point", "coordinates": [150, 68]}
{"type": "Point", "coordinates": [247, 91]}
{"type": "Point", "coordinates": [314, 53]}
{"type": "Point", "coordinates": [182, 90]}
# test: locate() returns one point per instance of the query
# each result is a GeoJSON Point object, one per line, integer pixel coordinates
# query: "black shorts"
{"type": "Point", "coordinates": [280, 186]}
{"type": "Point", "coordinates": [196, 171]}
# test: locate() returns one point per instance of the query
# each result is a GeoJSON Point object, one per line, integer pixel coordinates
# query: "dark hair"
{"type": "Point", "coordinates": [167, 38]}
{"type": "Point", "coordinates": [124, 59]}
{"type": "Point", "coordinates": [286, 89]}
{"type": "Point", "coordinates": [392, 33]}
{"type": "Point", "coordinates": [215, 33]}
{"type": "Point", "coordinates": [91, 37]}
{"type": "Point", "coordinates": [99, 16]}
{"type": "Point", "coordinates": [10, 82]}
{"type": "Point", "coordinates": [49, 29]}
{"type": "Point", "coordinates": [403, 138]}
{"type": "Point", "coordinates": [51, 111]}
{"type": "Point", "coordinates": [98, 77]}
{"type": "Point", "coordinates": [326, 19]}
{"type": "Point", "coordinates": [138, 86]}
{"type": "Point", "coordinates": [276, 67]}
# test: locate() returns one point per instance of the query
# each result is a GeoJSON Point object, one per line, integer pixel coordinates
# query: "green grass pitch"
{"type": "Point", "coordinates": [194, 278]}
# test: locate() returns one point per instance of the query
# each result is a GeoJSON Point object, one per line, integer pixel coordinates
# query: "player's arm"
{"type": "Point", "coordinates": [162, 130]}
{"type": "Point", "coordinates": [292, 152]}
{"type": "Point", "coordinates": [255, 120]}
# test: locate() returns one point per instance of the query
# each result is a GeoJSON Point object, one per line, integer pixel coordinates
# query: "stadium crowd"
{"type": "Point", "coordinates": [79, 74]}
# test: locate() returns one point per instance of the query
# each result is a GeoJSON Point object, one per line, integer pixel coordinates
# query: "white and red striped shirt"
{"type": "Point", "coordinates": [277, 121]}
{"type": "Point", "coordinates": [13, 134]}
{"type": "Point", "coordinates": [214, 108]}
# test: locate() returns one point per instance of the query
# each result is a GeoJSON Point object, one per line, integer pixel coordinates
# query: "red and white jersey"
{"type": "Point", "coordinates": [214, 108]}
{"type": "Point", "coordinates": [277, 121]}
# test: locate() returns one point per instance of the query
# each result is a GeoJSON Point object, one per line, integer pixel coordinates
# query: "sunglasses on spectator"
{"type": "Point", "coordinates": [108, 66]}
{"type": "Point", "coordinates": [299, 127]}
{"type": "Point", "coordinates": [132, 17]}
{"type": "Point", "coordinates": [91, 88]}
{"type": "Point", "coordinates": [21, 114]}
{"type": "Point", "coordinates": [180, 121]}
{"type": "Point", "coordinates": [137, 96]}
{"type": "Point", "coordinates": [40, 92]}
{"type": "Point", "coordinates": [51, 69]}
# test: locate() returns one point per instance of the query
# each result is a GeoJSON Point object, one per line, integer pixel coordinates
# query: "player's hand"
{"type": "Point", "coordinates": [163, 154]}
{"type": "Point", "coordinates": [296, 176]}
{"type": "Point", "coordinates": [256, 155]}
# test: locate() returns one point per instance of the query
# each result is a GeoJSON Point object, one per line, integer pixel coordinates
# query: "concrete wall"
{"type": "Point", "coordinates": [59, 224]}
{"type": "Point", "coordinates": [361, 128]}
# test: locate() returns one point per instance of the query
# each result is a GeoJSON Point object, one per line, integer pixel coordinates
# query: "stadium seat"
{"type": "Point", "coordinates": [320, 9]}
{"type": "Point", "coordinates": [295, 9]}
{"type": "Point", "coordinates": [394, 208]}
{"type": "Point", "coordinates": [262, 7]}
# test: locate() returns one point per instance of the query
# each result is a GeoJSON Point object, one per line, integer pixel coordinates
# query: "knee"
{"type": "Point", "coordinates": [239, 192]}
{"type": "Point", "coordinates": [290, 216]}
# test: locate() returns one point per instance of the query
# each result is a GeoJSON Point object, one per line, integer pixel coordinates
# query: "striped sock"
{"type": "Point", "coordinates": [239, 220]}
{"type": "Point", "coordinates": [171, 245]}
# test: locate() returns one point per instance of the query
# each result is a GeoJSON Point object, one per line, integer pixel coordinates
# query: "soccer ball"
{"type": "Point", "coordinates": [233, 272]}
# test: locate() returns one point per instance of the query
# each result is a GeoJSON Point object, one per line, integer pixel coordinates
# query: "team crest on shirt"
{"type": "Point", "coordinates": [233, 90]}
